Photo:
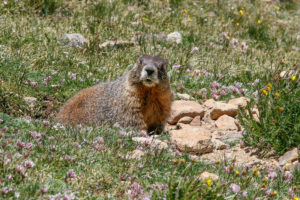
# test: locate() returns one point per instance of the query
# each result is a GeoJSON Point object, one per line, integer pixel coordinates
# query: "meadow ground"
{"type": "Point", "coordinates": [242, 46]}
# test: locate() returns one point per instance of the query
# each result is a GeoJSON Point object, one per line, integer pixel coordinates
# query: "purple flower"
{"type": "Point", "coordinates": [272, 175]}
{"type": "Point", "coordinates": [89, 75]}
{"type": "Point", "coordinates": [140, 165]}
{"type": "Point", "coordinates": [28, 146]}
{"type": "Point", "coordinates": [1, 121]}
{"type": "Point", "coordinates": [176, 66]}
{"type": "Point", "coordinates": [227, 169]}
{"type": "Point", "coordinates": [235, 188]}
{"type": "Point", "coordinates": [29, 164]}
{"type": "Point", "coordinates": [234, 42]}
{"type": "Point", "coordinates": [215, 97]}
{"type": "Point", "coordinates": [243, 91]}
{"type": "Point", "coordinates": [43, 190]}
{"type": "Point", "coordinates": [255, 94]}
{"type": "Point", "coordinates": [71, 173]}
{"type": "Point", "coordinates": [100, 140]}
{"type": "Point", "coordinates": [181, 87]}
{"type": "Point", "coordinates": [238, 84]}
{"type": "Point", "coordinates": [223, 93]}
{"type": "Point", "coordinates": [214, 84]}
{"type": "Point", "coordinates": [46, 123]}
{"type": "Point", "coordinates": [70, 196]}
{"type": "Point", "coordinates": [20, 169]}
{"type": "Point", "coordinates": [20, 144]}
{"type": "Point", "coordinates": [244, 194]}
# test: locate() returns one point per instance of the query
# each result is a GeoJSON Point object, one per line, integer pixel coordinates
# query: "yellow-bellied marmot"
{"type": "Point", "coordinates": [140, 99]}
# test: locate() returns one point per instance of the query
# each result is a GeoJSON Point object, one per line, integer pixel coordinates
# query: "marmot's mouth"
{"type": "Point", "coordinates": [148, 80]}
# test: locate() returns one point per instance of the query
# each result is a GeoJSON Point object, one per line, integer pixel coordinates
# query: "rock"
{"type": "Point", "coordinates": [241, 101]}
{"type": "Point", "coordinates": [295, 166]}
{"type": "Point", "coordinates": [194, 50]}
{"type": "Point", "coordinates": [210, 103]}
{"type": "Point", "coordinates": [219, 144]}
{"type": "Point", "coordinates": [184, 96]}
{"type": "Point", "coordinates": [226, 123]}
{"type": "Point", "coordinates": [196, 121]}
{"type": "Point", "coordinates": [231, 137]}
{"type": "Point", "coordinates": [183, 108]}
{"type": "Point", "coordinates": [220, 109]}
{"type": "Point", "coordinates": [174, 37]}
{"type": "Point", "coordinates": [31, 101]}
{"type": "Point", "coordinates": [153, 143]}
{"type": "Point", "coordinates": [117, 43]}
{"type": "Point", "coordinates": [289, 157]}
{"type": "Point", "coordinates": [204, 175]}
{"type": "Point", "coordinates": [237, 155]}
{"type": "Point", "coordinates": [136, 154]}
{"type": "Point", "coordinates": [74, 39]}
{"type": "Point", "coordinates": [186, 120]}
{"type": "Point", "coordinates": [192, 139]}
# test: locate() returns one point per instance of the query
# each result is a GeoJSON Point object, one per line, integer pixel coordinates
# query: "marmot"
{"type": "Point", "coordinates": [141, 99]}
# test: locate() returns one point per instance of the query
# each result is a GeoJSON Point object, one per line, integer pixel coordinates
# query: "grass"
{"type": "Point", "coordinates": [31, 51]}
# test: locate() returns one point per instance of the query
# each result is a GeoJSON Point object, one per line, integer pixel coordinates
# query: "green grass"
{"type": "Point", "coordinates": [30, 51]}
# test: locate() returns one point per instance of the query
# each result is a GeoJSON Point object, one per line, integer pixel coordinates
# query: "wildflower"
{"type": "Point", "coordinates": [237, 24]}
{"type": "Point", "coordinates": [280, 109]}
{"type": "Point", "coordinates": [189, 19]}
{"type": "Point", "coordinates": [296, 198]}
{"type": "Point", "coordinates": [185, 11]}
{"type": "Point", "coordinates": [255, 171]}
{"type": "Point", "coordinates": [235, 188]}
{"type": "Point", "coordinates": [277, 94]}
{"type": "Point", "coordinates": [243, 91]}
{"type": "Point", "coordinates": [274, 193]}
{"type": "Point", "coordinates": [264, 92]}
{"type": "Point", "coordinates": [269, 85]}
{"type": "Point", "coordinates": [181, 87]}
{"type": "Point", "coordinates": [208, 181]}
{"type": "Point", "coordinates": [100, 140]}
{"type": "Point", "coordinates": [237, 172]}
{"type": "Point", "coordinates": [247, 13]}
{"type": "Point", "coordinates": [175, 161]}
{"type": "Point", "coordinates": [293, 78]}
{"type": "Point", "coordinates": [176, 66]}
{"type": "Point", "coordinates": [1, 121]}
{"type": "Point", "coordinates": [269, 88]}
{"type": "Point", "coordinates": [241, 12]}
{"type": "Point", "coordinates": [214, 84]}
{"type": "Point", "coordinates": [244, 194]}
{"type": "Point", "coordinates": [227, 169]}
{"type": "Point", "coordinates": [46, 123]}
{"type": "Point", "coordinates": [29, 164]}
{"type": "Point", "coordinates": [234, 43]}
{"type": "Point", "coordinates": [223, 93]}
{"type": "Point", "coordinates": [71, 173]}
{"type": "Point", "coordinates": [277, 8]}
{"type": "Point", "coordinates": [182, 160]}
{"type": "Point", "coordinates": [272, 175]}
{"type": "Point", "coordinates": [144, 18]}
{"type": "Point", "coordinates": [259, 21]}
{"type": "Point", "coordinates": [282, 62]}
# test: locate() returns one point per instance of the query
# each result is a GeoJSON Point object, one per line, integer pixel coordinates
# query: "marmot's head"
{"type": "Point", "coordinates": [150, 71]}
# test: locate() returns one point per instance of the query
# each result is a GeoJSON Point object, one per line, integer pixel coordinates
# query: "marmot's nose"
{"type": "Point", "coordinates": [149, 71]}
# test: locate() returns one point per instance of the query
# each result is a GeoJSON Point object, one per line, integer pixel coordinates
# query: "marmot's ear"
{"type": "Point", "coordinates": [166, 64]}
{"type": "Point", "coordinates": [140, 60]}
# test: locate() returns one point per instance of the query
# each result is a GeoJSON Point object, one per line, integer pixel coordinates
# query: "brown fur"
{"type": "Point", "coordinates": [126, 101]}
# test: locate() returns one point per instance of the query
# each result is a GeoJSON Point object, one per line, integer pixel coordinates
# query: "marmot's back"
{"type": "Point", "coordinates": [141, 99]}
